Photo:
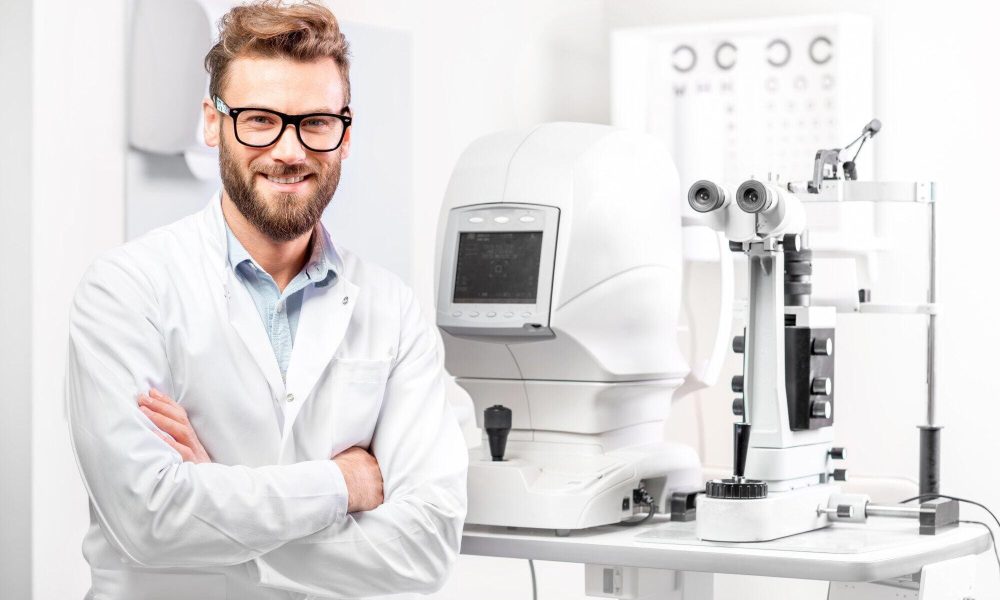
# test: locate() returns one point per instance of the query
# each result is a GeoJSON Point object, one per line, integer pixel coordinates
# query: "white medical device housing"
{"type": "Point", "coordinates": [558, 295]}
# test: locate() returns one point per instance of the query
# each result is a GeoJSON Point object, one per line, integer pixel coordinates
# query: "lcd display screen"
{"type": "Point", "coordinates": [498, 267]}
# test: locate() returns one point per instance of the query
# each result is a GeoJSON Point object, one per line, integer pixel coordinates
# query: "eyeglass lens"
{"type": "Point", "coordinates": [260, 128]}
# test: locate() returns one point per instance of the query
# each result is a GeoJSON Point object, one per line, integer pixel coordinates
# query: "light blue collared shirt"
{"type": "Point", "coordinates": [279, 311]}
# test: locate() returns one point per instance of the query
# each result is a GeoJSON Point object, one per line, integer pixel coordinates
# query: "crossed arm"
{"type": "Point", "coordinates": [359, 468]}
{"type": "Point", "coordinates": [162, 506]}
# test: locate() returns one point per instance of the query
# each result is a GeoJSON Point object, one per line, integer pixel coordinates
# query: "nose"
{"type": "Point", "coordinates": [288, 149]}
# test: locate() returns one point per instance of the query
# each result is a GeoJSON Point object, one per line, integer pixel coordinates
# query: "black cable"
{"type": "Point", "coordinates": [956, 499]}
{"type": "Point", "coordinates": [649, 515]}
{"type": "Point", "coordinates": [863, 140]}
{"type": "Point", "coordinates": [534, 584]}
{"type": "Point", "coordinates": [992, 539]}
{"type": "Point", "coordinates": [967, 501]}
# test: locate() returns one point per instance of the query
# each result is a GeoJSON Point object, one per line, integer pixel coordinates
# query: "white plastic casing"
{"type": "Point", "coordinates": [616, 269]}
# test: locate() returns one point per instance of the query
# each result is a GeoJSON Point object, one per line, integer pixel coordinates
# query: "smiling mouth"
{"type": "Point", "coordinates": [285, 180]}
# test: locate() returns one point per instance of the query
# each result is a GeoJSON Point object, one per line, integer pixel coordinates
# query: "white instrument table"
{"type": "Point", "coordinates": [881, 549]}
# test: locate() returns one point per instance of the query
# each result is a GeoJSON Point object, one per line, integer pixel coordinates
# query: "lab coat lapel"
{"type": "Point", "coordinates": [326, 313]}
{"type": "Point", "coordinates": [243, 315]}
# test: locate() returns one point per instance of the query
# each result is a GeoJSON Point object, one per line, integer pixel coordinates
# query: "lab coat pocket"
{"type": "Point", "coordinates": [111, 584]}
{"type": "Point", "coordinates": [352, 399]}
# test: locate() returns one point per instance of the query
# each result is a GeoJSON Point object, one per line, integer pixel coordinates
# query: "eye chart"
{"type": "Point", "coordinates": [741, 99]}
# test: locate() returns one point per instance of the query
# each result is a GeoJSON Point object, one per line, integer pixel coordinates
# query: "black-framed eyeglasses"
{"type": "Point", "coordinates": [261, 127]}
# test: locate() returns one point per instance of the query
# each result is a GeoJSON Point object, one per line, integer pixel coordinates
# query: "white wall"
{"type": "Point", "coordinates": [61, 190]}
{"type": "Point", "coordinates": [15, 298]}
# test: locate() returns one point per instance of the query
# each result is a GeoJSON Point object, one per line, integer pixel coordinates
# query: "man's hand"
{"type": "Point", "coordinates": [363, 478]}
{"type": "Point", "coordinates": [175, 429]}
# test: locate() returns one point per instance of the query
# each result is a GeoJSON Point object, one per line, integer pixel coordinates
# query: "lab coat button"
{"type": "Point", "coordinates": [279, 306]}
{"type": "Point", "coordinates": [290, 398]}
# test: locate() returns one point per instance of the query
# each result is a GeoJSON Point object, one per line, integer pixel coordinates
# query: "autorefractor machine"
{"type": "Point", "coordinates": [558, 298]}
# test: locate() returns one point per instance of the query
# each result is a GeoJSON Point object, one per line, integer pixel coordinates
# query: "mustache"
{"type": "Point", "coordinates": [281, 170]}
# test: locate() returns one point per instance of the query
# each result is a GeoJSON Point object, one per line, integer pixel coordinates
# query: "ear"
{"type": "Point", "coordinates": [213, 122]}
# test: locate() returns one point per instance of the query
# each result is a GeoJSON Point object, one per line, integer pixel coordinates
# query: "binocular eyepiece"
{"type": "Point", "coordinates": [706, 196]}
{"type": "Point", "coordinates": [752, 196]}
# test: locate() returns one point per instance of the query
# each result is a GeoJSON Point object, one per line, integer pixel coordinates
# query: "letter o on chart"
{"type": "Point", "coordinates": [725, 56]}
{"type": "Point", "coordinates": [778, 53]}
{"type": "Point", "coordinates": [685, 58]}
{"type": "Point", "coordinates": [821, 50]}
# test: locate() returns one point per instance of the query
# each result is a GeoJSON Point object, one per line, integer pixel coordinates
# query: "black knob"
{"type": "Point", "coordinates": [822, 346]}
{"type": "Point", "coordinates": [864, 295]}
{"type": "Point", "coordinates": [739, 343]}
{"type": "Point", "coordinates": [497, 422]}
{"type": "Point", "coordinates": [838, 453]}
{"type": "Point", "coordinates": [820, 409]}
{"type": "Point", "coordinates": [822, 386]}
{"type": "Point", "coordinates": [737, 384]}
{"type": "Point", "coordinates": [738, 407]}
{"type": "Point", "coordinates": [839, 475]}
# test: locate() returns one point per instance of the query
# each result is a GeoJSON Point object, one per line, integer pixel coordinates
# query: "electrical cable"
{"type": "Point", "coordinates": [644, 498]}
{"type": "Point", "coordinates": [993, 540]}
{"type": "Point", "coordinates": [649, 515]}
{"type": "Point", "coordinates": [863, 140]}
{"type": "Point", "coordinates": [534, 583]}
{"type": "Point", "coordinates": [956, 499]}
{"type": "Point", "coordinates": [967, 501]}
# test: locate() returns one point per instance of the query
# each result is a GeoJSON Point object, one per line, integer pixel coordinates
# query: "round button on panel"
{"type": "Point", "coordinates": [456, 313]}
{"type": "Point", "coordinates": [473, 314]}
{"type": "Point", "coordinates": [527, 219]}
{"type": "Point", "coordinates": [526, 314]}
{"type": "Point", "coordinates": [501, 219]}
{"type": "Point", "coordinates": [491, 314]}
{"type": "Point", "coordinates": [476, 219]}
{"type": "Point", "coordinates": [508, 314]}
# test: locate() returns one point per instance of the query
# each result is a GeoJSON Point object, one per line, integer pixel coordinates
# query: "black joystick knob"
{"type": "Point", "coordinates": [497, 421]}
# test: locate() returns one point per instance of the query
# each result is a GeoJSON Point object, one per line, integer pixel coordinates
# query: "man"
{"type": "Point", "coordinates": [256, 412]}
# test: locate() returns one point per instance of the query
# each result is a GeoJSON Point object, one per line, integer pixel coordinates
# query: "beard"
{"type": "Point", "coordinates": [286, 216]}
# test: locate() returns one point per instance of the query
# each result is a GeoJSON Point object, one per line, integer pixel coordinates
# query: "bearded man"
{"type": "Point", "coordinates": [256, 412]}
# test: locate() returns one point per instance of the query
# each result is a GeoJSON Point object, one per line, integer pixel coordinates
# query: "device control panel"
{"type": "Point", "coordinates": [496, 271]}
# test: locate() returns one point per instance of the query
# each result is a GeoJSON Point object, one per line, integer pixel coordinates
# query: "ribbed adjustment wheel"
{"type": "Point", "coordinates": [731, 489]}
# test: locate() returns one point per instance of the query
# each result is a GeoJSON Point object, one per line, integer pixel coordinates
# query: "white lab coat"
{"type": "Point", "coordinates": [267, 519]}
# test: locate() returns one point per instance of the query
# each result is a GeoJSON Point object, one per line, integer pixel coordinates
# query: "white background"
{"type": "Point", "coordinates": [480, 66]}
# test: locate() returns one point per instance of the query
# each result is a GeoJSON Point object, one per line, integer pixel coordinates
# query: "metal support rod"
{"type": "Point", "coordinates": [932, 321]}
{"type": "Point", "coordinates": [930, 433]}
{"type": "Point", "coordinates": [903, 512]}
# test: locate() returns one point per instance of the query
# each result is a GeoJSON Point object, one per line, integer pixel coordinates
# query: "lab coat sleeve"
{"type": "Point", "coordinates": [409, 543]}
{"type": "Point", "coordinates": [158, 510]}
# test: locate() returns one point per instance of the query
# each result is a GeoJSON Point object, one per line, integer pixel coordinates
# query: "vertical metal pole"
{"type": "Point", "coordinates": [930, 433]}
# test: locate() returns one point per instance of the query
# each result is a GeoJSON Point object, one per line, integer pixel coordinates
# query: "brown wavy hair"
{"type": "Point", "coordinates": [303, 31]}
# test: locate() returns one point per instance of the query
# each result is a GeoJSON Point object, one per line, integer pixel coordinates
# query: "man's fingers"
{"type": "Point", "coordinates": [163, 405]}
{"type": "Point", "coordinates": [166, 424]}
{"type": "Point", "coordinates": [181, 449]}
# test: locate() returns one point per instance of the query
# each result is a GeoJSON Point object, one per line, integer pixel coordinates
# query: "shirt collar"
{"type": "Point", "coordinates": [321, 268]}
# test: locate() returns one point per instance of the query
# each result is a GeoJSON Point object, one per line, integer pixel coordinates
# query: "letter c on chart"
{"type": "Point", "coordinates": [820, 50]}
{"type": "Point", "coordinates": [683, 63]}
{"type": "Point", "coordinates": [778, 53]}
{"type": "Point", "coordinates": [725, 56]}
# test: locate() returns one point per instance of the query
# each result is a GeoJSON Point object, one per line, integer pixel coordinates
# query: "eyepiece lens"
{"type": "Point", "coordinates": [703, 195]}
{"type": "Point", "coordinates": [751, 196]}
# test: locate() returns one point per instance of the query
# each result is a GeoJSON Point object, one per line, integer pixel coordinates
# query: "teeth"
{"type": "Point", "coordinates": [286, 180]}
